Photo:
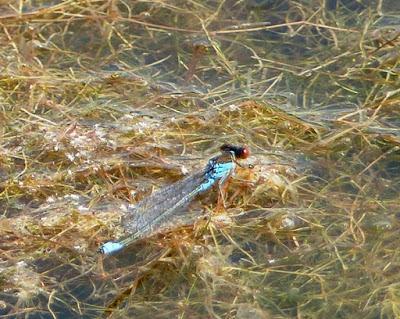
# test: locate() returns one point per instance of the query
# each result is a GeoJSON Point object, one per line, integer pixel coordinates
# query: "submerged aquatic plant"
{"type": "Point", "coordinates": [103, 102]}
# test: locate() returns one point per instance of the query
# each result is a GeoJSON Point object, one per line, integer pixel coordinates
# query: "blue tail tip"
{"type": "Point", "coordinates": [110, 248]}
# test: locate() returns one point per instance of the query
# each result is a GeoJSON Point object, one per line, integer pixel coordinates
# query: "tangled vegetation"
{"type": "Point", "coordinates": [102, 101]}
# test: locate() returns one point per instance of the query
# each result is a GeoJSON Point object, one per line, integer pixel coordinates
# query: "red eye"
{"type": "Point", "coordinates": [244, 153]}
{"type": "Point", "coordinates": [239, 151]}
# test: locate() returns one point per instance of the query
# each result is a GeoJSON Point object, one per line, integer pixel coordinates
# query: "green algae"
{"type": "Point", "coordinates": [103, 101]}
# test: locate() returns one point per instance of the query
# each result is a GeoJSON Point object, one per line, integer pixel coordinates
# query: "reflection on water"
{"type": "Point", "coordinates": [102, 103]}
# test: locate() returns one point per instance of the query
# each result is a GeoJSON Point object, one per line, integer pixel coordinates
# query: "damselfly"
{"type": "Point", "coordinates": [152, 214]}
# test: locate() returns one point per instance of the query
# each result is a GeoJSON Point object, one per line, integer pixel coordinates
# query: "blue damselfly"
{"type": "Point", "coordinates": [152, 214]}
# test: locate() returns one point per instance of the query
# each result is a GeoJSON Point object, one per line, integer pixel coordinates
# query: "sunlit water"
{"type": "Point", "coordinates": [102, 102]}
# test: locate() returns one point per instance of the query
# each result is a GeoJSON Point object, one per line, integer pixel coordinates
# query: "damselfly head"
{"type": "Point", "coordinates": [240, 152]}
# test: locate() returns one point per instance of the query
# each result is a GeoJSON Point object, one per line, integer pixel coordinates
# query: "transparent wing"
{"type": "Point", "coordinates": [154, 213]}
{"type": "Point", "coordinates": [153, 210]}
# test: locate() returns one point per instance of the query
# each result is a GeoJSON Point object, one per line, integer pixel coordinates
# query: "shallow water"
{"type": "Point", "coordinates": [104, 102]}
